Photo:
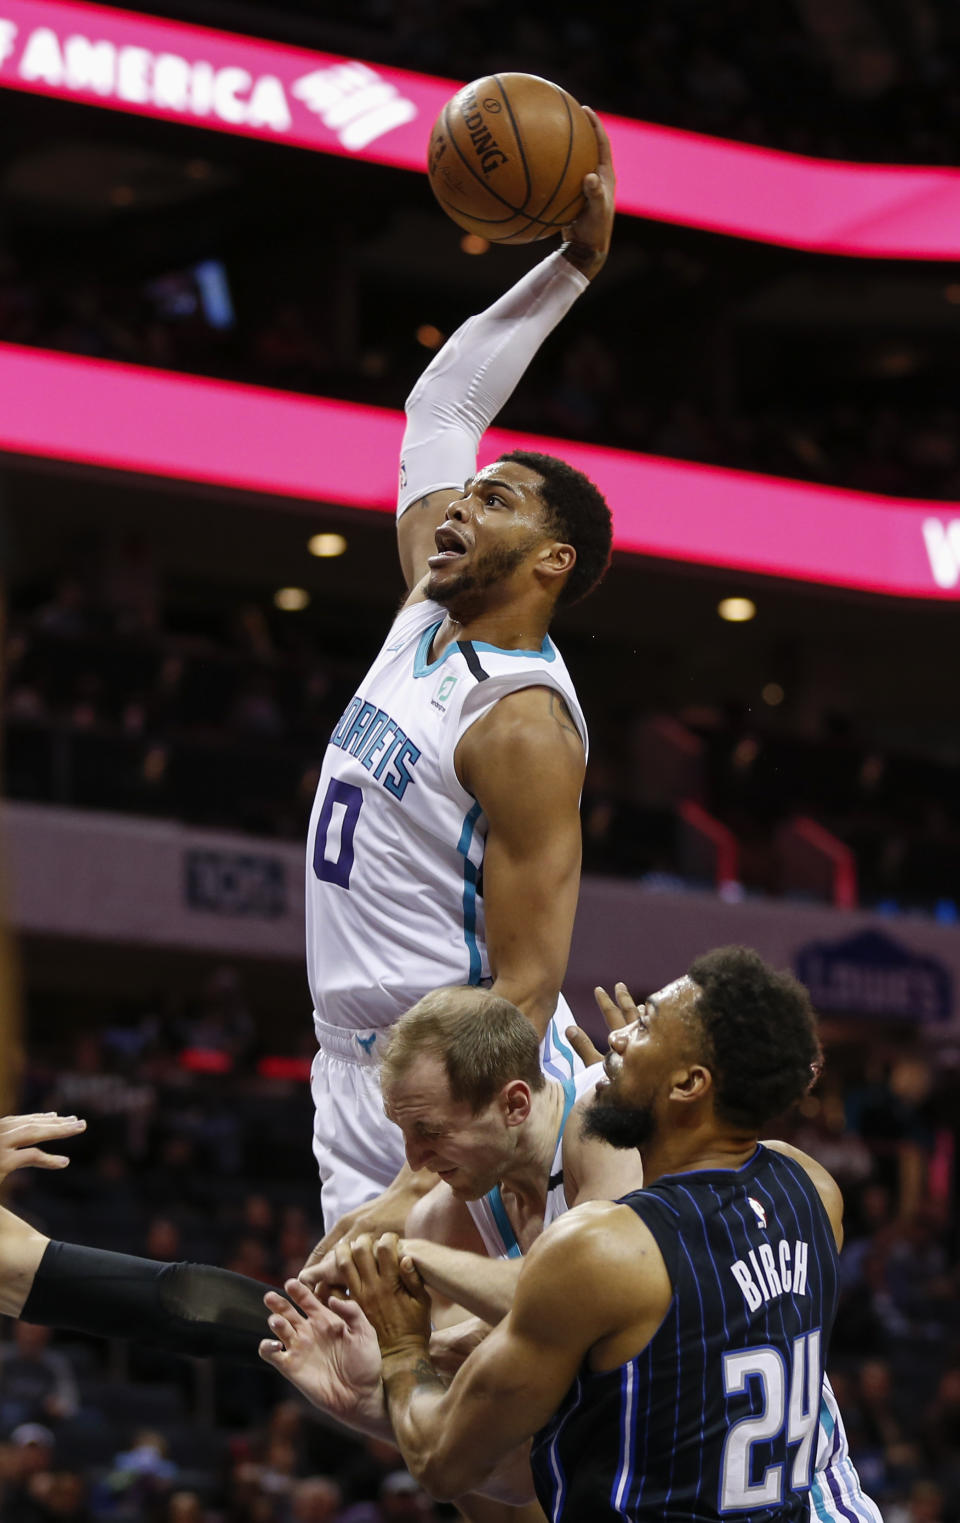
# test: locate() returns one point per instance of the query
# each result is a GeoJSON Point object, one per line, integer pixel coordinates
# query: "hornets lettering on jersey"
{"type": "Point", "coordinates": [363, 731]}
{"type": "Point", "coordinates": [393, 886]}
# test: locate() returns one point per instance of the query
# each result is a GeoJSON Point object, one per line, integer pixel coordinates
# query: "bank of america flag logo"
{"type": "Point", "coordinates": [354, 102]}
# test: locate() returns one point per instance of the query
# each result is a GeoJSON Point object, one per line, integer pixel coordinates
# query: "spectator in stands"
{"type": "Point", "coordinates": [163, 1240]}
{"type": "Point", "coordinates": [256, 711]}
{"type": "Point", "coordinates": [926, 1503]}
{"type": "Point", "coordinates": [220, 1019]}
{"type": "Point", "coordinates": [141, 1478]}
{"type": "Point", "coordinates": [288, 350]}
{"type": "Point", "coordinates": [130, 585]}
{"type": "Point", "coordinates": [61, 1496]}
{"type": "Point", "coordinates": [940, 1433]}
{"type": "Point", "coordinates": [399, 1498]}
{"type": "Point", "coordinates": [892, 1112]}
{"type": "Point", "coordinates": [185, 1507]}
{"type": "Point", "coordinates": [250, 1257]}
{"type": "Point", "coordinates": [884, 1428]}
{"type": "Point", "coordinates": [293, 1243]}
{"type": "Point", "coordinates": [315, 1500]}
{"type": "Point", "coordinates": [67, 615]}
{"type": "Point", "coordinates": [37, 1384]}
{"type": "Point", "coordinates": [921, 1282]}
{"type": "Point", "coordinates": [27, 1471]}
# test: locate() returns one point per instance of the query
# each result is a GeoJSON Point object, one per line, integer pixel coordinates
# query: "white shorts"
{"type": "Point", "coordinates": [360, 1152]}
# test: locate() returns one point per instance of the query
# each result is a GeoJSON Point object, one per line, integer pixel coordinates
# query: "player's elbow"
{"type": "Point", "coordinates": [535, 993]}
{"type": "Point", "coordinates": [437, 1474]}
{"type": "Point", "coordinates": [444, 1471]}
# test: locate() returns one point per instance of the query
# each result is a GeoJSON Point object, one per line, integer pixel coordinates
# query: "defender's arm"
{"type": "Point", "coordinates": [452, 1439]}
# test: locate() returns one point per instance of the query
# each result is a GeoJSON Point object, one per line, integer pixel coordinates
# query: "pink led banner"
{"type": "Point", "coordinates": [101, 413]}
{"type": "Point", "coordinates": [217, 80]}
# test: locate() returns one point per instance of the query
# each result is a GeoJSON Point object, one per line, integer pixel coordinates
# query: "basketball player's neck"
{"type": "Point", "coordinates": [528, 1171]}
{"type": "Point", "coordinates": [690, 1152]}
{"type": "Point", "coordinates": [521, 624]}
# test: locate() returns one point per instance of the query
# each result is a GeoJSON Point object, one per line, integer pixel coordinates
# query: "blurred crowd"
{"type": "Point", "coordinates": [898, 813]}
{"type": "Point", "coordinates": [182, 1161]}
{"type": "Point", "coordinates": [104, 705]}
{"type": "Point", "coordinates": [186, 1157]}
{"type": "Point", "coordinates": [847, 81]}
{"type": "Point", "coordinates": [589, 386]}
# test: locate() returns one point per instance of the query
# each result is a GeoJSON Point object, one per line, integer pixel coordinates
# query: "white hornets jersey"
{"type": "Point", "coordinates": [395, 851]}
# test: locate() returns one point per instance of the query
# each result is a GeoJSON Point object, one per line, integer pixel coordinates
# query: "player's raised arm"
{"type": "Point", "coordinates": [476, 371]}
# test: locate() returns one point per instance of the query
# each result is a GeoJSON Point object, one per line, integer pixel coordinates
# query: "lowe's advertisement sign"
{"type": "Point", "coordinates": [872, 974]}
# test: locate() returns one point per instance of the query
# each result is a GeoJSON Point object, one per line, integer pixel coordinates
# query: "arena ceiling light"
{"type": "Point", "coordinates": [217, 80]}
{"type": "Point", "coordinates": [737, 610]}
{"type": "Point", "coordinates": [325, 546]}
{"type": "Point", "coordinates": [291, 599]}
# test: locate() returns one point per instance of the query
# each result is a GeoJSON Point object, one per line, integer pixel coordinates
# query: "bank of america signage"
{"type": "Point", "coordinates": [146, 65]}
{"type": "Point", "coordinates": [943, 547]}
{"type": "Point", "coordinates": [170, 69]}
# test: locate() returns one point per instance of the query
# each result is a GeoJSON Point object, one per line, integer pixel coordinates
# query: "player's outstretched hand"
{"type": "Point", "coordinates": [20, 1137]}
{"type": "Point", "coordinates": [587, 241]}
{"type": "Point", "coordinates": [386, 1284]}
{"type": "Point", "coordinates": [388, 1213]}
{"type": "Point", "coordinates": [616, 1015]}
{"type": "Point", "coordinates": [329, 1353]}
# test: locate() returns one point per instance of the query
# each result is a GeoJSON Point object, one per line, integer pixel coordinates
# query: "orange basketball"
{"type": "Point", "coordinates": [508, 155]}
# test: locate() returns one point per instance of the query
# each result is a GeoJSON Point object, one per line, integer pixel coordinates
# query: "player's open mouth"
{"type": "Point", "coordinates": [450, 547]}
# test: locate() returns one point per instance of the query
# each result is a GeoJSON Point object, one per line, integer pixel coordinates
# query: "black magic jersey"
{"type": "Point", "coordinates": [719, 1415]}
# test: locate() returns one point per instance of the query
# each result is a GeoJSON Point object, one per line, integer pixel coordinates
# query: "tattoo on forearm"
{"type": "Point", "coordinates": [424, 1374]}
{"type": "Point", "coordinates": [562, 715]}
{"type": "Point", "coordinates": [400, 1388]}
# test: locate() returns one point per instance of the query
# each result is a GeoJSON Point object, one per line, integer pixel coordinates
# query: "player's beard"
{"type": "Point", "coordinates": [490, 567]}
{"type": "Point", "coordinates": [622, 1126]}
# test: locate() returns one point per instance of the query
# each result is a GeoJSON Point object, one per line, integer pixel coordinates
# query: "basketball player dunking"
{"type": "Point", "coordinates": [444, 844]}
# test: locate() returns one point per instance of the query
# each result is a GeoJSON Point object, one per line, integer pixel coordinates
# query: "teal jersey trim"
{"type": "Point", "coordinates": [424, 667]}
{"type": "Point", "coordinates": [495, 1199]}
{"type": "Point", "coordinates": [504, 1225]}
{"type": "Point", "coordinates": [569, 1100]}
{"type": "Point", "coordinates": [471, 875]}
{"type": "Point", "coordinates": [561, 1046]}
{"type": "Point", "coordinates": [547, 651]}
